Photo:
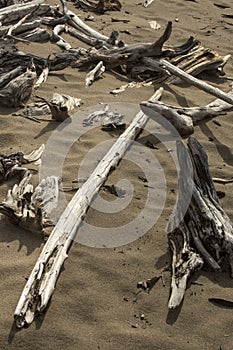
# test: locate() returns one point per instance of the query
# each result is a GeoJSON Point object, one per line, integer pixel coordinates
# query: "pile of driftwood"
{"type": "Point", "coordinates": [203, 234]}
{"type": "Point", "coordinates": [37, 21]}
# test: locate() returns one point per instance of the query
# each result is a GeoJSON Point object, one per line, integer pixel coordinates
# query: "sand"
{"type": "Point", "coordinates": [95, 304]}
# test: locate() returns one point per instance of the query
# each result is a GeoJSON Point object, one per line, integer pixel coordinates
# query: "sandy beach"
{"type": "Point", "coordinates": [96, 304]}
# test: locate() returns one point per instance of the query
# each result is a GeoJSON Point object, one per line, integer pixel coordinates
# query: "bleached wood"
{"type": "Point", "coordinates": [184, 118]}
{"type": "Point", "coordinates": [95, 73]}
{"type": "Point", "coordinates": [41, 283]}
{"type": "Point", "coordinates": [197, 82]}
{"type": "Point", "coordinates": [77, 23]}
{"type": "Point", "coordinates": [199, 230]}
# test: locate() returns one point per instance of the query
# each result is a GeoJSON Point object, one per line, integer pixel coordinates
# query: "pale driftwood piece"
{"type": "Point", "coordinates": [13, 13]}
{"type": "Point", "coordinates": [147, 3]}
{"type": "Point", "coordinates": [12, 164]}
{"type": "Point", "coordinates": [84, 38]}
{"type": "Point", "coordinates": [132, 84]}
{"type": "Point", "coordinates": [34, 23]}
{"type": "Point", "coordinates": [34, 156]}
{"type": "Point", "coordinates": [55, 37]}
{"type": "Point", "coordinates": [77, 23]}
{"type": "Point", "coordinates": [41, 282]}
{"type": "Point", "coordinates": [184, 118]}
{"type": "Point", "coordinates": [203, 232]}
{"type": "Point", "coordinates": [29, 208]}
{"type": "Point", "coordinates": [18, 90]}
{"type": "Point", "coordinates": [197, 82]}
{"type": "Point", "coordinates": [61, 105]}
{"type": "Point", "coordinates": [95, 73]}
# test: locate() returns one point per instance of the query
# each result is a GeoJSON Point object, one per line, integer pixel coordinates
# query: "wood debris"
{"type": "Point", "coordinates": [12, 164]}
{"type": "Point", "coordinates": [184, 119]}
{"type": "Point", "coordinates": [61, 105]}
{"type": "Point", "coordinates": [205, 233]}
{"type": "Point", "coordinates": [29, 208]}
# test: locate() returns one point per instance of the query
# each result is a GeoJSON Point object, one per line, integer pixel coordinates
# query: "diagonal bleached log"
{"type": "Point", "coordinates": [197, 82]}
{"type": "Point", "coordinates": [43, 76]}
{"type": "Point", "coordinates": [29, 208]}
{"type": "Point", "coordinates": [199, 230]}
{"type": "Point", "coordinates": [184, 119]}
{"type": "Point", "coordinates": [77, 23]}
{"type": "Point", "coordinates": [41, 283]}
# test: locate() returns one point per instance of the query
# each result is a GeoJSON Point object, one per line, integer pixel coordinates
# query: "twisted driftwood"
{"type": "Point", "coordinates": [203, 233]}
{"type": "Point", "coordinates": [184, 119]}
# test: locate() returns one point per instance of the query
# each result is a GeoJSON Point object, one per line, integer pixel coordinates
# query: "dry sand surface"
{"type": "Point", "coordinates": [95, 305]}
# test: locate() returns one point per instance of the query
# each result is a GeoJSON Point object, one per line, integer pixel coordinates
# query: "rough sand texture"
{"type": "Point", "coordinates": [94, 305]}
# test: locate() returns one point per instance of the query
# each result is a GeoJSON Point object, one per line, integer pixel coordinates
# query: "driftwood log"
{"type": "Point", "coordinates": [41, 283]}
{"type": "Point", "coordinates": [203, 233]}
{"type": "Point", "coordinates": [184, 119]}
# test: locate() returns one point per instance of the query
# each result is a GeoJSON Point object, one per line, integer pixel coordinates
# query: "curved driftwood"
{"type": "Point", "coordinates": [203, 232]}
{"type": "Point", "coordinates": [184, 118]}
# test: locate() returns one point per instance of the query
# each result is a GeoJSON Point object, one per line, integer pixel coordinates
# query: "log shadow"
{"type": "Point", "coordinates": [10, 233]}
{"type": "Point", "coordinates": [224, 151]}
{"type": "Point", "coordinates": [52, 125]}
{"type": "Point", "coordinates": [173, 315]}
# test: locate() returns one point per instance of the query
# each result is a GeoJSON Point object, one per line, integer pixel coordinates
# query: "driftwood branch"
{"type": "Point", "coordinates": [41, 283]}
{"type": "Point", "coordinates": [203, 233]}
{"type": "Point", "coordinates": [183, 118]}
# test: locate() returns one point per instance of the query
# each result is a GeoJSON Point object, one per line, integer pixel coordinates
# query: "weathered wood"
{"type": "Point", "coordinates": [13, 13]}
{"type": "Point", "coordinates": [12, 164]}
{"type": "Point", "coordinates": [184, 118]}
{"type": "Point", "coordinates": [61, 105]}
{"type": "Point", "coordinates": [56, 38]}
{"type": "Point", "coordinates": [28, 208]}
{"type": "Point", "coordinates": [199, 230]}
{"type": "Point", "coordinates": [101, 6]}
{"type": "Point", "coordinates": [95, 73]}
{"type": "Point", "coordinates": [41, 282]}
{"type": "Point", "coordinates": [77, 23]}
{"type": "Point", "coordinates": [18, 90]}
{"type": "Point", "coordinates": [197, 82]}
